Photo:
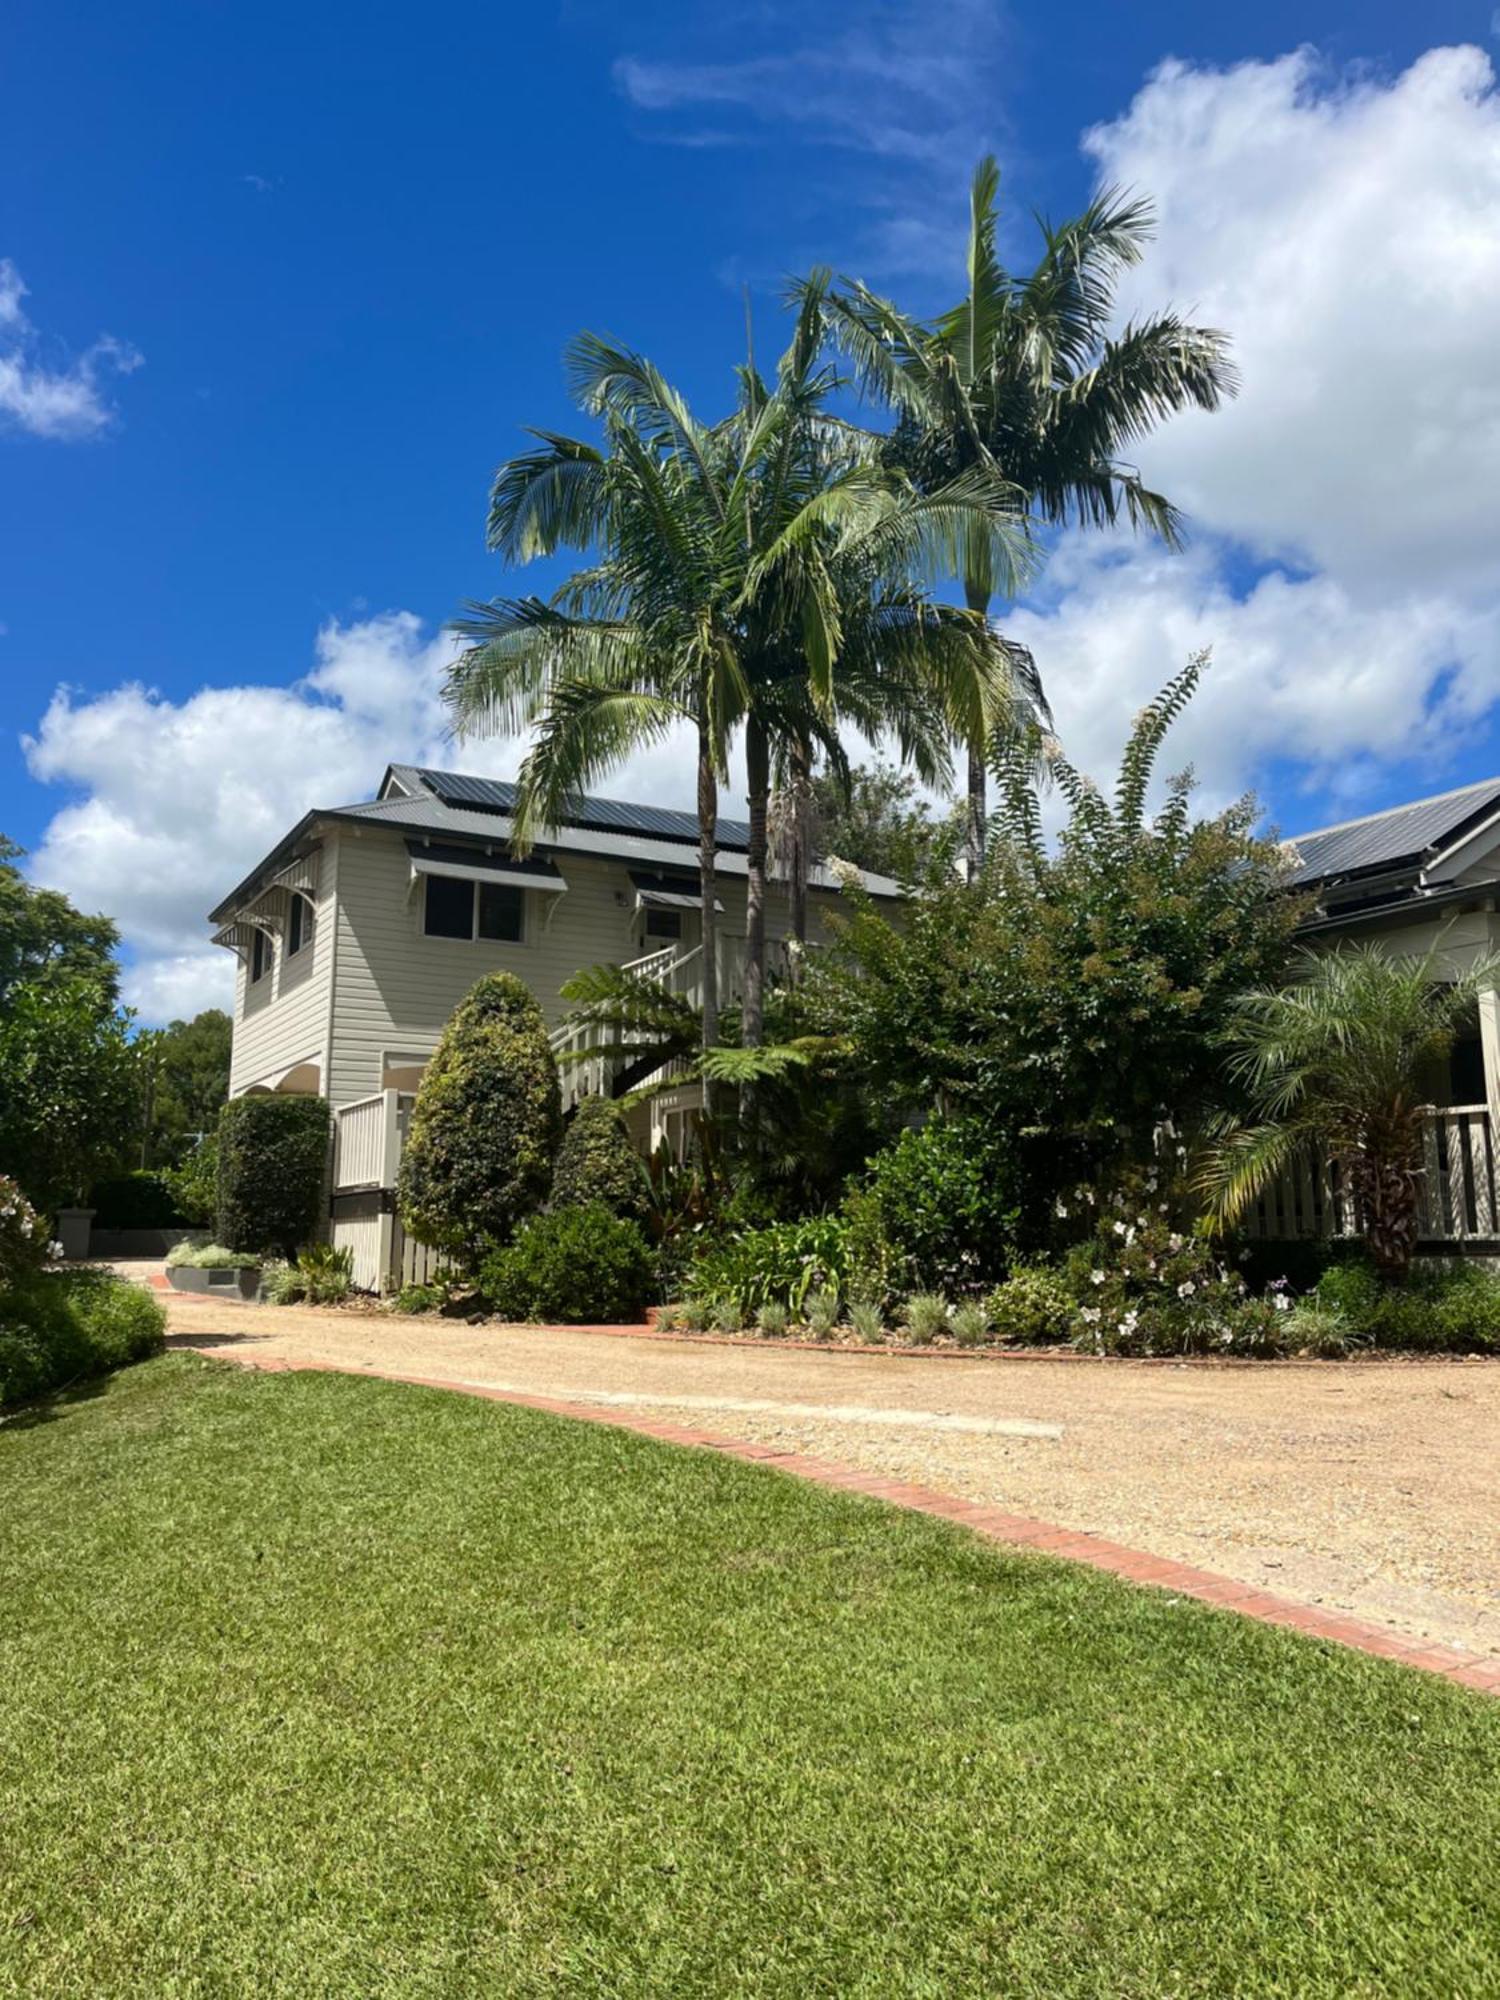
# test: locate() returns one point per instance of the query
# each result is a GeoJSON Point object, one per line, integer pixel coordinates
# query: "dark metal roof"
{"type": "Point", "coordinates": [495, 795]}
{"type": "Point", "coordinates": [455, 855]}
{"type": "Point", "coordinates": [1406, 836]}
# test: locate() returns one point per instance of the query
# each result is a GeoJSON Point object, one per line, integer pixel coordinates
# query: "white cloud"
{"type": "Point", "coordinates": [51, 402]}
{"type": "Point", "coordinates": [179, 800]}
{"type": "Point", "coordinates": [1304, 671]}
{"type": "Point", "coordinates": [1347, 233]}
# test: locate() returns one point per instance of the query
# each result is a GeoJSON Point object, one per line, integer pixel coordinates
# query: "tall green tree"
{"type": "Point", "coordinates": [1341, 1061]}
{"type": "Point", "coordinates": [184, 1080]}
{"type": "Point", "coordinates": [1024, 378]}
{"type": "Point", "coordinates": [759, 573]}
{"type": "Point", "coordinates": [42, 936]}
{"type": "Point", "coordinates": [68, 1082]}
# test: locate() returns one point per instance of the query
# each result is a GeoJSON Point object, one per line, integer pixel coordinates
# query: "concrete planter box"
{"type": "Point", "coordinates": [73, 1229]}
{"type": "Point", "coordinates": [240, 1281]}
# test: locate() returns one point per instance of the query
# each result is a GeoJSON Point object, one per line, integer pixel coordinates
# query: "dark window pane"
{"type": "Point", "coordinates": [260, 957]}
{"type": "Point", "coordinates": [664, 923]}
{"type": "Point", "coordinates": [299, 927]}
{"type": "Point", "coordinates": [500, 910]}
{"type": "Point", "coordinates": [450, 907]}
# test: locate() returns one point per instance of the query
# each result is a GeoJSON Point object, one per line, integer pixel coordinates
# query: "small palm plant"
{"type": "Point", "coordinates": [1342, 1060]}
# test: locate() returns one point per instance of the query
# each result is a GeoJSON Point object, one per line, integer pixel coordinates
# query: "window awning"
{"type": "Point", "coordinates": [472, 864]}
{"type": "Point", "coordinates": [669, 892]}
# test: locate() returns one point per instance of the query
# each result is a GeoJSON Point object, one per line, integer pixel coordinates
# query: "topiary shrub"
{"type": "Point", "coordinates": [143, 1200]}
{"type": "Point", "coordinates": [569, 1265]}
{"type": "Point", "coordinates": [485, 1126]}
{"type": "Point", "coordinates": [597, 1162]}
{"type": "Point", "coordinates": [273, 1166]}
{"type": "Point", "coordinates": [65, 1326]}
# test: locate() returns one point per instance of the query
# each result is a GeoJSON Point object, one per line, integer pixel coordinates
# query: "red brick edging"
{"type": "Point", "coordinates": [1015, 1530]}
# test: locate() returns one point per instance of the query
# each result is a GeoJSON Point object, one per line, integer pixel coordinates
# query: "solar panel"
{"type": "Point", "coordinates": [1385, 839]}
{"type": "Point", "coordinates": [495, 795]}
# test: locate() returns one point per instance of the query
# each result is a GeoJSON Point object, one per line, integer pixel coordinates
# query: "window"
{"type": "Point", "coordinates": [260, 956]}
{"type": "Point", "coordinates": [664, 924]}
{"type": "Point", "coordinates": [450, 907]}
{"type": "Point", "coordinates": [492, 910]}
{"type": "Point", "coordinates": [500, 912]}
{"type": "Point", "coordinates": [299, 925]}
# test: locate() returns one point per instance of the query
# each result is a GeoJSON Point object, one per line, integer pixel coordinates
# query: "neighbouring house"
{"type": "Point", "coordinates": [363, 928]}
{"type": "Point", "coordinates": [1407, 879]}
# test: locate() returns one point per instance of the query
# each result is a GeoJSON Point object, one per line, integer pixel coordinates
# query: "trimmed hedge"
{"type": "Point", "coordinates": [143, 1200]}
{"type": "Point", "coordinates": [66, 1326]}
{"type": "Point", "coordinates": [485, 1126]}
{"type": "Point", "coordinates": [939, 1211]}
{"type": "Point", "coordinates": [569, 1265]}
{"type": "Point", "coordinates": [597, 1162]}
{"type": "Point", "coordinates": [273, 1165]}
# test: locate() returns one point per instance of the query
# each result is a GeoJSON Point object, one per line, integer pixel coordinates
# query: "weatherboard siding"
{"type": "Point", "coordinates": [396, 987]}
{"type": "Point", "coordinates": [283, 1018]}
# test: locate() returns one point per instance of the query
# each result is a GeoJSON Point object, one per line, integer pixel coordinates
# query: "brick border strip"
{"type": "Point", "coordinates": [993, 1523]}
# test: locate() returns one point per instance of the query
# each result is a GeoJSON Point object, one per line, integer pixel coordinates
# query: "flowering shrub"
{"type": "Point", "coordinates": [23, 1242]}
{"type": "Point", "coordinates": [1149, 1282]}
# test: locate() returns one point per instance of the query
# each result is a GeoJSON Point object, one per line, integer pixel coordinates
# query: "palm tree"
{"type": "Point", "coordinates": [1022, 377]}
{"type": "Point", "coordinates": [753, 573]}
{"type": "Point", "coordinates": [1342, 1060]}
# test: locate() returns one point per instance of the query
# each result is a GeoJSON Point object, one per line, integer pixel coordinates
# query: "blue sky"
{"type": "Point", "coordinates": [294, 278]}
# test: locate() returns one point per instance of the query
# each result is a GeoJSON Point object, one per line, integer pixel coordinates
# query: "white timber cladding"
{"type": "Point", "coordinates": [281, 1020]}
{"type": "Point", "coordinates": [396, 987]}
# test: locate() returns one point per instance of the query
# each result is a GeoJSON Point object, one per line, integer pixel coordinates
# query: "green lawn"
{"type": "Point", "coordinates": [315, 1686]}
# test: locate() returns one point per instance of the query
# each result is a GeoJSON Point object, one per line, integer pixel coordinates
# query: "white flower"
{"type": "Point", "coordinates": [1061, 1209]}
{"type": "Point", "coordinates": [1282, 1303]}
{"type": "Point", "coordinates": [1090, 1315]}
{"type": "Point", "coordinates": [1119, 1229]}
{"type": "Point", "coordinates": [1174, 1243]}
{"type": "Point", "coordinates": [1186, 1289]}
{"type": "Point", "coordinates": [1130, 1236]}
{"type": "Point", "coordinates": [1096, 1277]}
{"type": "Point", "coordinates": [55, 1253]}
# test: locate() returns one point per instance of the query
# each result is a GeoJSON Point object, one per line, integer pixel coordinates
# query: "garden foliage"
{"type": "Point", "coordinates": [61, 1327]}
{"type": "Point", "coordinates": [145, 1199]}
{"type": "Point", "coordinates": [937, 1211]}
{"type": "Point", "coordinates": [485, 1128]}
{"type": "Point", "coordinates": [570, 1265]}
{"type": "Point", "coordinates": [786, 1265]}
{"type": "Point", "coordinates": [273, 1165]}
{"type": "Point", "coordinates": [598, 1163]}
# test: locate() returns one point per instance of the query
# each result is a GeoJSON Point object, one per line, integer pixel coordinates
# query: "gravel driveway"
{"type": "Point", "coordinates": [1372, 1488]}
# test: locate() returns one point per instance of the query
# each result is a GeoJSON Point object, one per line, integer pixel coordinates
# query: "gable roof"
{"type": "Point", "coordinates": [1409, 837]}
{"type": "Point", "coordinates": [440, 806]}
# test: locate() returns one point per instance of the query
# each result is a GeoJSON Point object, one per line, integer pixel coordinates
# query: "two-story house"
{"type": "Point", "coordinates": [361, 931]}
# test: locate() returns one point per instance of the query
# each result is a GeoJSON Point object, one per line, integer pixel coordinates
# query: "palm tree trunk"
{"type": "Point", "coordinates": [758, 790]}
{"type": "Point", "coordinates": [977, 597]}
{"type": "Point", "coordinates": [801, 771]}
{"type": "Point", "coordinates": [708, 839]}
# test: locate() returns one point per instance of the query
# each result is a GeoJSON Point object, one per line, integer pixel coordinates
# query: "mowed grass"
{"type": "Point", "coordinates": [316, 1686]}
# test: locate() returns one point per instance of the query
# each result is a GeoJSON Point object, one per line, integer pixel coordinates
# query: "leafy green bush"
{"type": "Point", "coordinates": [207, 1257]}
{"type": "Point", "coordinates": [772, 1319]}
{"type": "Point", "coordinates": [938, 1211]}
{"type": "Point", "coordinates": [568, 1265]}
{"type": "Point", "coordinates": [195, 1184]}
{"type": "Point", "coordinates": [23, 1240]}
{"type": "Point", "coordinates": [1349, 1290]}
{"type": "Point", "coordinates": [143, 1200]}
{"type": "Point", "coordinates": [60, 1327]}
{"type": "Point", "coordinates": [597, 1162]}
{"type": "Point", "coordinates": [321, 1276]}
{"type": "Point", "coordinates": [1148, 1281]}
{"type": "Point", "coordinates": [1033, 1307]}
{"type": "Point", "coordinates": [273, 1163]}
{"type": "Point", "coordinates": [784, 1264]}
{"type": "Point", "coordinates": [421, 1298]}
{"type": "Point", "coordinates": [1313, 1329]}
{"type": "Point", "coordinates": [726, 1317]}
{"type": "Point", "coordinates": [926, 1315]}
{"type": "Point", "coordinates": [485, 1126]}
